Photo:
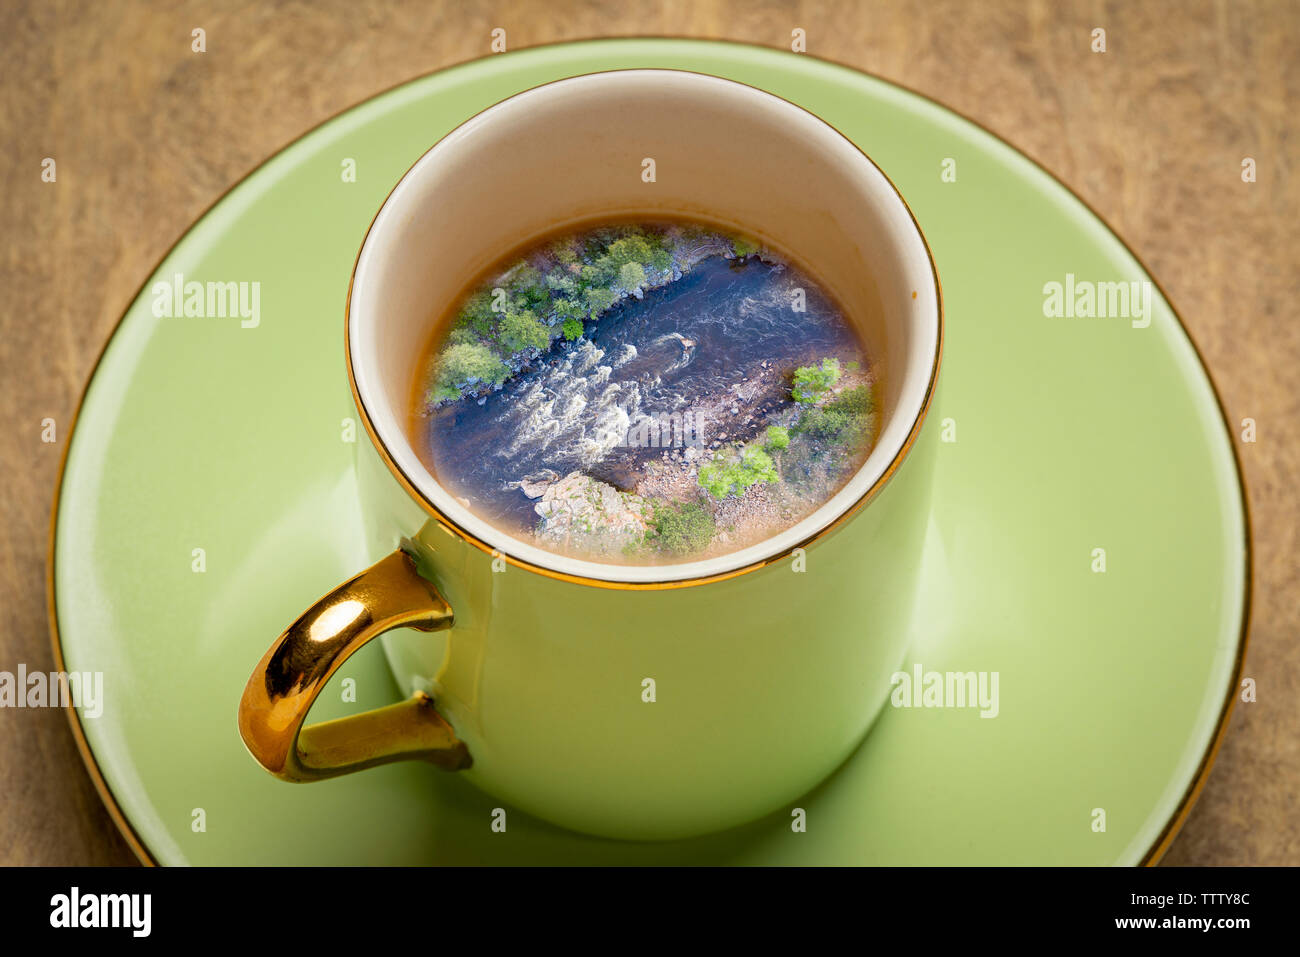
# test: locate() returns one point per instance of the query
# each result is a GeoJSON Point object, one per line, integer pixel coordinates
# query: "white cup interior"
{"type": "Point", "coordinates": [571, 152]}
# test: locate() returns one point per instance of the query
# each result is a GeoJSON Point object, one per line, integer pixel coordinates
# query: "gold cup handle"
{"type": "Point", "coordinates": [389, 594]}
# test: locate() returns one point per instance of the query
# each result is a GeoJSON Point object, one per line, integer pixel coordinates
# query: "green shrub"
{"type": "Point", "coordinates": [572, 328]}
{"type": "Point", "coordinates": [841, 421]}
{"type": "Point", "coordinates": [857, 399]}
{"type": "Point", "coordinates": [680, 529]}
{"type": "Point", "coordinates": [778, 438]}
{"type": "Point", "coordinates": [741, 246]}
{"type": "Point", "coordinates": [723, 477]}
{"type": "Point", "coordinates": [824, 423]}
{"type": "Point", "coordinates": [812, 382]}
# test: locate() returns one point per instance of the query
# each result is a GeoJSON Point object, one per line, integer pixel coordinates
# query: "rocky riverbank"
{"type": "Point", "coordinates": [804, 450]}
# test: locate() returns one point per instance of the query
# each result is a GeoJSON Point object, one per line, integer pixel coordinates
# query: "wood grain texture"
{"type": "Point", "coordinates": [1152, 133]}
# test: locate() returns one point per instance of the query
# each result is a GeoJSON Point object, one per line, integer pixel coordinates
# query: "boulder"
{"type": "Point", "coordinates": [580, 511]}
{"type": "Point", "coordinates": [535, 485]}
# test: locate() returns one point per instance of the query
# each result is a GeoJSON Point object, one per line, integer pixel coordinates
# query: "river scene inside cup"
{"type": "Point", "coordinates": [644, 393]}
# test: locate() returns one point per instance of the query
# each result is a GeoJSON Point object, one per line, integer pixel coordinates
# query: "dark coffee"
{"type": "Point", "coordinates": [645, 393]}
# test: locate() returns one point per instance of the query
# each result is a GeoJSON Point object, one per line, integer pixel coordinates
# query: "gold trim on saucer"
{"type": "Point", "coordinates": [1176, 821]}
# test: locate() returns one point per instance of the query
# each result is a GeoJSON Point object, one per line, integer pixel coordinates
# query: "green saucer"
{"type": "Point", "coordinates": [1068, 435]}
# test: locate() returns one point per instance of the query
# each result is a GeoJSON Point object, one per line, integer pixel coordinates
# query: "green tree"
{"type": "Point", "coordinates": [442, 393]}
{"type": "Point", "coordinates": [559, 281]}
{"type": "Point", "coordinates": [465, 361]}
{"type": "Point", "coordinates": [572, 328]}
{"type": "Point", "coordinates": [521, 329]}
{"type": "Point", "coordinates": [632, 248]}
{"type": "Point", "coordinates": [812, 382]}
{"type": "Point", "coordinates": [570, 309]}
{"type": "Point", "coordinates": [616, 251]}
{"type": "Point", "coordinates": [598, 299]}
{"type": "Point", "coordinates": [462, 334]}
{"type": "Point", "coordinates": [660, 257]}
{"type": "Point", "coordinates": [477, 314]}
{"type": "Point", "coordinates": [631, 275]}
{"type": "Point", "coordinates": [564, 252]}
{"type": "Point", "coordinates": [525, 286]}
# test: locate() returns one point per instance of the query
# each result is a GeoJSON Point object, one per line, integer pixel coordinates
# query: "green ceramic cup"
{"type": "Point", "coordinates": [626, 701]}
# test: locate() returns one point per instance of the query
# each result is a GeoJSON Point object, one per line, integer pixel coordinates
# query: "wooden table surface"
{"type": "Point", "coordinates": [1152, 133]}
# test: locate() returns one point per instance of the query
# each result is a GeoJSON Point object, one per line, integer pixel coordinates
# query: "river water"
{"type": "Point", "coordinates": [655, 356]}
